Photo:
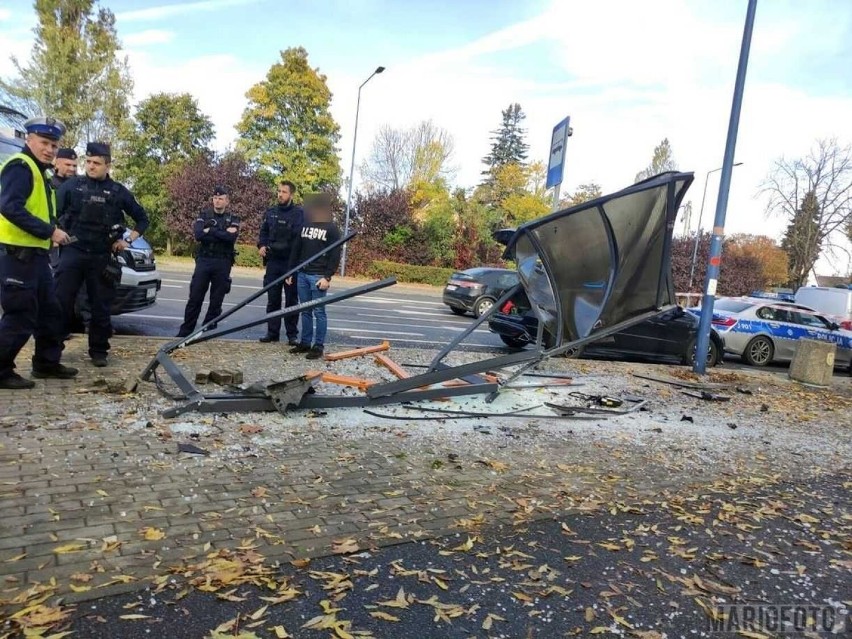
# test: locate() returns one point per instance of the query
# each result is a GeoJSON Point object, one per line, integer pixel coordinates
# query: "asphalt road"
{"type": "Point", "coordinates": [402, 315]}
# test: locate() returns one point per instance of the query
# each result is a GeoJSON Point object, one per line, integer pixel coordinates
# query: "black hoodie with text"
{"type": "Point", "coordinates": [313, 238]}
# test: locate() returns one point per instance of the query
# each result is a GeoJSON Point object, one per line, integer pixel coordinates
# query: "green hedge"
{"type": "Point", "coordinates": [247, 255]}
{"type": "Point", "coordinates": [433, 275]}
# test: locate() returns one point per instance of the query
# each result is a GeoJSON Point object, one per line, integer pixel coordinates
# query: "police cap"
{"type": "Point", "coordinates": [66, 154]}
{"type": "Point", "coordinates": [46, 127]}
{"type": "Point", "coordinates": [99, 149]}
{"type": "Point", "coordinates": [220, 190]}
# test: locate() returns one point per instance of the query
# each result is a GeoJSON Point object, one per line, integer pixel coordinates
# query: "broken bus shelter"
{"type": "Point", "coordinates": [589, 271]}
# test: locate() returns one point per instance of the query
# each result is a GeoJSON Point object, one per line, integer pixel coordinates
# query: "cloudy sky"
{"type": "Point", "coordinates": [628, 73]}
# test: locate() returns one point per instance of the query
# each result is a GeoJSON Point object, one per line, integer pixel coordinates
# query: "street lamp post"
{"type": "Point", "coordinates": [352, 171]}
{"type": "Point", "coordinates": [698, 230]}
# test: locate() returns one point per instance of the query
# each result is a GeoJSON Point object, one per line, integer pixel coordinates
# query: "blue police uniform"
{"type": "Point", "coordinates": [27, 293]}
{"type": "Point", "coordinates": [213, 261]}
{"type": "Point", "coordinates": [278, 232]}
{"type": "Point", "coordinates": [93, 211]}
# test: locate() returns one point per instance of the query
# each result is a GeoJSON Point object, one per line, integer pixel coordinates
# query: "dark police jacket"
{"type": "Point", "coordinates": [216, 242]}
{"type": "Point", "coordinates": [89, 208]}
{"type": "Point", "coordinates": [279, 229]}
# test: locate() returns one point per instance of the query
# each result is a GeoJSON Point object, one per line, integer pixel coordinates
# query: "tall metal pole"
{"type": "Point", "coordinates": [712, 278]}
{"type": "Point", "coordinates": [352, 170]}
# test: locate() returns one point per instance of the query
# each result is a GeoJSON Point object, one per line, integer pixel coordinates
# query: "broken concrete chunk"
{"type": "Point", "coordinates": [221, 376]}
{"type": "Point", "coordinates": [202, 376]}
{"type": "Point", "coordinates": [236, 377]}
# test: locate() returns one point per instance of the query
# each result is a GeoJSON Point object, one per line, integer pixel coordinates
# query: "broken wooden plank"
{"type": "Point", "coordinates": [392, 366]}
{"type": "Point", "coordinates": [346, 380]}
{"type": "Point", "coordinates": [357, 352]}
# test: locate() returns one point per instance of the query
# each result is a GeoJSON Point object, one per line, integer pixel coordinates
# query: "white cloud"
{"type": "Point", "coordinates": [5, 14]}
{"type": "Point", "coordinates": [627, 85]}
{"type": "Point", "coordinates": [148, 37]}
{"type": "Point", "coordinates": [218, 83]}
{"type": "Point", "coordinates": [171, 10]}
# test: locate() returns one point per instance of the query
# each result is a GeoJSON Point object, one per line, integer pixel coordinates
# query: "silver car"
{"type": "Point", "coordinates": [762, 332]}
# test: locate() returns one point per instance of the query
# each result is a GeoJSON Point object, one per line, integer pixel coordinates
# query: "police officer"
{"type": "Point", "coordinates": [64, 167]}
{"type": "Point", "coordinates": [92, 208]}
{"type": "Point", "coordinates": [27, 228]}
{"type": "Point", "coordinates": [278, 230]}
{"type": "Point", "coordinates": [216, 231]}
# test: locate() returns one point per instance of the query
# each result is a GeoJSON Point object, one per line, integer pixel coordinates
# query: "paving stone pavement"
{"type": "Point", "coordinates": [91, 482]}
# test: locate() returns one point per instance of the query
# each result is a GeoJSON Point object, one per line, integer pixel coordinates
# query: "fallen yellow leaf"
{"type": "Point", "coordinates": [383, 616]}
{"type": "Point", "coordinates": [61, 550]}
{"type": "Point", "coordinates": [152, 534]}
{"type": "Point", "coordinates": [134, 617]}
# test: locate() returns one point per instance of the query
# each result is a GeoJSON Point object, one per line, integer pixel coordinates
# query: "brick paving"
{"type": "Point", "coordinates": [85, 474]}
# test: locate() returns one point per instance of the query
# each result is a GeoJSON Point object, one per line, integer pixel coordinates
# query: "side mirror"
{"type": "Point", "coordinates": [834, 326]}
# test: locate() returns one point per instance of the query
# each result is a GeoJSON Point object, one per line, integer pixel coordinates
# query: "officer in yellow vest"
{"type": "Point", "coordinates": [27, 228]}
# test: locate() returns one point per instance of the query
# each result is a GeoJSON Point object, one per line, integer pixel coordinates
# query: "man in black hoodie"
{"type": "Point", "coordinates": [313, 281]}
{"type": "Point", "coordinates": [278, 230]}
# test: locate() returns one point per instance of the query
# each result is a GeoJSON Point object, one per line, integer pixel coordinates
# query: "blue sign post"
{"type": "Point", "coordinates": [556, 164]}
{"type": "Point", "coordinates": [712, 278]}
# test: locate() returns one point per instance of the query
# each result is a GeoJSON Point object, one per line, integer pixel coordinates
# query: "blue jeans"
{"type": "Point", "coordinates": [307, 288]}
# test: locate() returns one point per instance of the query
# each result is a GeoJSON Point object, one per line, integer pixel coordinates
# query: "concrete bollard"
{"type": "Point", "coordinates": [813, 362]}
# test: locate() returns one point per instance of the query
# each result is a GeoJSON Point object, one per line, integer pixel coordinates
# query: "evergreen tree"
{"type": "Point", "coordinates": [508, 145]}
{"type": "Point", "coordinates": [802, 240]}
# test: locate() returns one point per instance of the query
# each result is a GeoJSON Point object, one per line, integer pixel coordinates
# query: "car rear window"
{"type": "Point", "coordinates": [731, 306]}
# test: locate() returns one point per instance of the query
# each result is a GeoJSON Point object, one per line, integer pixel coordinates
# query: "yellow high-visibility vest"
{"type": "Point", "coordinates": [37, 204]}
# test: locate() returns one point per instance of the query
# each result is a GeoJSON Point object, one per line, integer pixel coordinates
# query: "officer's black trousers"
{"type": "Point", "coordinates": [212, 272]}
{"type": "Point", "coordinates": [274, 270]}
{"type": "Point", "coordinates": [30, 307]}
{"type": "Point", "coordinates": [77, 267]}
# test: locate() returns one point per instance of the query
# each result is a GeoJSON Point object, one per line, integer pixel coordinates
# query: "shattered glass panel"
{"type": "Point", "coordinates": [537, 284]}
{"type": "Point", "coordinates": [603, 262]}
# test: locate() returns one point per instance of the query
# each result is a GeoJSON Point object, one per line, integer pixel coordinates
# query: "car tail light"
{"type": "Point", "coordinates": [724, 322]}
{"type": "Point", "coordinates": [464, 283]}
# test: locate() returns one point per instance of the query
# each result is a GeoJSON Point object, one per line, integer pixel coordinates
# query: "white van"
{"type": "Point", "coordinates": [834, 302]}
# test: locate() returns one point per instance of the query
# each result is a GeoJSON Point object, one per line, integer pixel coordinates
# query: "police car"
{"type": "Point", "coordinates": [762, 332]}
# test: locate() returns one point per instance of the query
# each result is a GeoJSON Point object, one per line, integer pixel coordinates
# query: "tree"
{"type": "Point", "coordinates": [766, 252]}
{"type": "Point", "coordinates": [814, 195]}
{"type": "Point", "coordinates": [400, 157]}
{"type": "Point", "coordinates": [507, 143]}
{"type": "Point", "coordinates": [516, 192]}
{"type": "Point", "coordinates": [661, 162]}
{"type": "Point", "coordinates": [584, 193]}
{"type": "Point", "coordinates": [75, 72]}
{"type": "Point", "coordinates": [166, 131]}
{"type": "Point", "coordinates": [739, 273]}
{"type": "Point", "coordinates": [802, 242]}
{"type": "Point", "coordinates": [287, 129]}
{"type": "Point", "coordinates": [191, 186]}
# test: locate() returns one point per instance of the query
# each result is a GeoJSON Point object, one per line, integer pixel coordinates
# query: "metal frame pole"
{"type": "Point", "coordinates": [715, 261]}
{"type": "Point", "coordinates": [352, 170]}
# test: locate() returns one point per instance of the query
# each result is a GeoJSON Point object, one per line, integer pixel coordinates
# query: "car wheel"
{"type": "Point", "coordinates": [482, 305]}
{"type": "Point", "coordinates": [713, 355]}
{"type": "Point", "coordinates": [759, 351]}
{"type": "Point", "coordinates": [457, 311]}
{"type": "Point", "coordinates": [513, 342]}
